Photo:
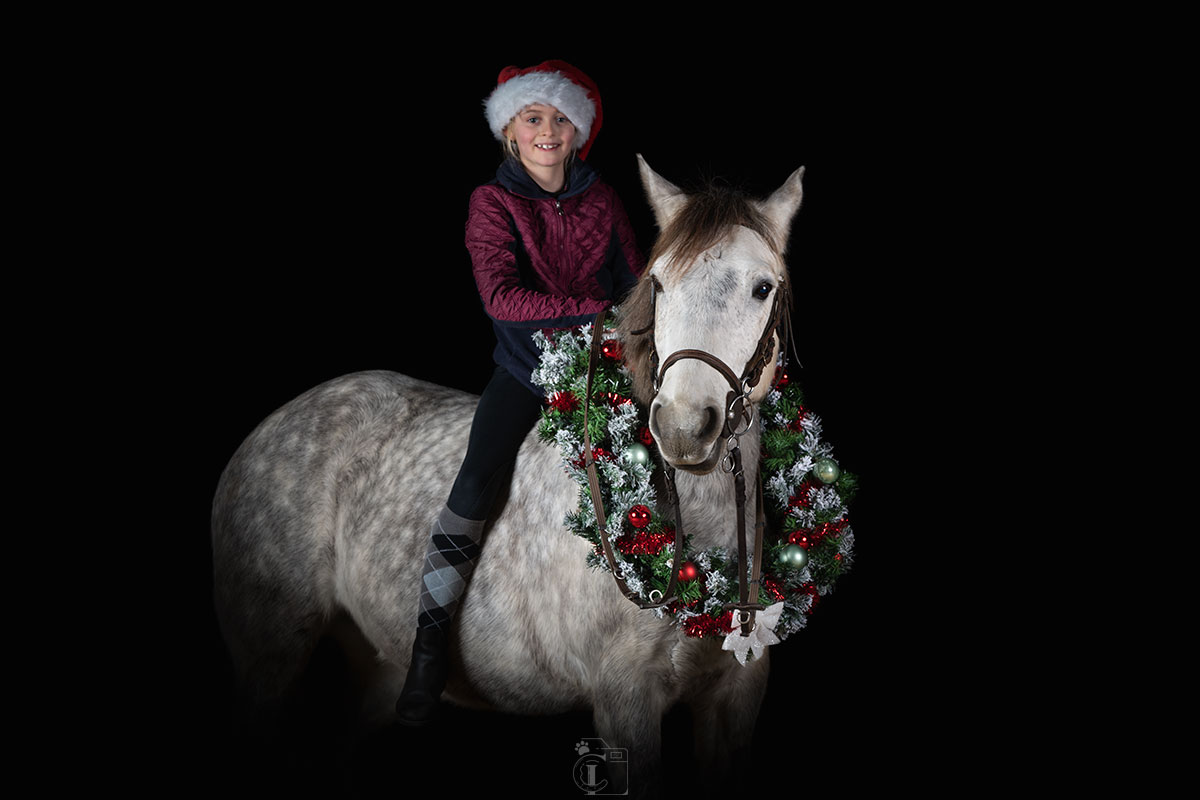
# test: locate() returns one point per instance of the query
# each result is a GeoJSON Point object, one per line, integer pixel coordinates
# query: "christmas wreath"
{"type": "Point", "coordinates": [808, 544]}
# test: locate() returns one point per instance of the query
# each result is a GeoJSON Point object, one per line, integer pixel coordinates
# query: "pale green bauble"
{"type": "Point", "coordinates": [793, 555]}
{"type": "Point", "coordinates": [826, 470]}
{"type": "Point", "coordinates": [637, 454]}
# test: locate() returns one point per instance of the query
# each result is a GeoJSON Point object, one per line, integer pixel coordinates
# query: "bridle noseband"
{"type": "Point", "coordinates": [739, 418]}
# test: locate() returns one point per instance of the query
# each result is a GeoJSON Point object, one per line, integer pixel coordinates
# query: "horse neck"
{"type": "Point", "coordinates": [708, 503]}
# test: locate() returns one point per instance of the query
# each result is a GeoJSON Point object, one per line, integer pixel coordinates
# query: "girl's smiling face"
{"type": "Point", "coordinates": [544, 138]}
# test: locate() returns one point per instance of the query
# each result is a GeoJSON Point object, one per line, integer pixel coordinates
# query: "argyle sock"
{"type": "Point", "coordinates": [454, 547]}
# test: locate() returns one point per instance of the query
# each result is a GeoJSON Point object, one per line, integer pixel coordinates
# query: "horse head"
{"type": "Point", "coordinates": [706, 322]}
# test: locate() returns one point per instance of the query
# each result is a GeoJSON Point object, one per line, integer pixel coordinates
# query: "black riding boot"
{"type": "Point", "coordinates": [453, 549]}
{"type": "Point", "coordinates": [419, 699]}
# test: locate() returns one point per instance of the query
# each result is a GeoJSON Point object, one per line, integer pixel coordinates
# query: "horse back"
{"type": "Point", "coordinates": [313, 485]}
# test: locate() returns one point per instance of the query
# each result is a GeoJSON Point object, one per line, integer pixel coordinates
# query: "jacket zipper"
{"type": "Point", "coordinates": [562, 235]}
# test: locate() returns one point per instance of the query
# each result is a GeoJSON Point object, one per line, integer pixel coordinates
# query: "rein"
{"type": "Point", "coordinates": [739, 418]}
{"type": "Point", "coordinates": [594, 484]}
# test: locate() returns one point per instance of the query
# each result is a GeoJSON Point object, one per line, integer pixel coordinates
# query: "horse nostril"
{"type": "Point", "coordinates": [712, 419]}
{"type": "Point", "coordinates": [686, 428]}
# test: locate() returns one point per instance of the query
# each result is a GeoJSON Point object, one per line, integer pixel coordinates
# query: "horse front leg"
{"type": "Point", "coordinates": [627, 715]}
{"type": "Point", "coordinates": [724, 714]}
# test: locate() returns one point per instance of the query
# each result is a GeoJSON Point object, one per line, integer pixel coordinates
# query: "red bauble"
{"type": "Point", "coordinates": [645, 437]}
{"type": "Point", "coordinates": [688, 571]}
{"type": "Point", "coordinates": [611, 349]}
{"type": "Point", "coordinates": [639, 516]}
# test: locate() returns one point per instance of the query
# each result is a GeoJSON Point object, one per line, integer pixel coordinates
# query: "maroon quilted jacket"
{"type": "Point", "coordinates": [547, 261]}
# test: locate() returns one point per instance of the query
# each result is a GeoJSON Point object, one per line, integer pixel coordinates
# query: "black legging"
{"type": "Point", "coordinates": [507, 410]}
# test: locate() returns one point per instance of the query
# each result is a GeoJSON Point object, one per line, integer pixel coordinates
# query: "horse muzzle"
{"type": "Point", "coordinates": [688, 428]}
{"type": "Point", "coordinates": [688, 435]}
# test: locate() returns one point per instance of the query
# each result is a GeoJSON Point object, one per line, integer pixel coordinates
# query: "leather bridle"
{"type": "Point", "coordinates": [739, 418]}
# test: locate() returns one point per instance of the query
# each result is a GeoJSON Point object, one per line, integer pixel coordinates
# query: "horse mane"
{"type": "Point", "coordinates": [708, 216]}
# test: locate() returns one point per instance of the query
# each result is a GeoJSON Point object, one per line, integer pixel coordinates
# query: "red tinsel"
{"type": "Point", "coordinates": [773, 587]}
{"type": "Point", "coordinates": [810, 537]}
{"type": "Point", "coordinates": [563, 401]}
{"type": "Point", "coordinates": [612, 398]}
{"type": "Point", "coordinates": [644, 543]}
{"type": "Point", "coordinates": [813, 594]}
{"type": "Point", "coordinates": [801, 498]}
{"type": "Point", "coordinates": [645, 437]}
{"type": "Point", "coordinates": [597, 454]}
{"type": "Point", "coordinates": [703, 625]}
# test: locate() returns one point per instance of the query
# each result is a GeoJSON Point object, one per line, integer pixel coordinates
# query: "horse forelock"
{"type": "Point", "coordinates": [704, 220]}
{"type": "Point", "coordinates": [707, 218]}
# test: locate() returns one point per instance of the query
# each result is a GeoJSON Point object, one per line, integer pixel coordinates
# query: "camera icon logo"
{"type": "Point", "coordinates": [600, 769]}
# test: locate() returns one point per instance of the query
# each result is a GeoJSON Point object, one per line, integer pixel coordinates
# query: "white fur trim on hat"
{"type": "Point", "coordinates": [548, 88]}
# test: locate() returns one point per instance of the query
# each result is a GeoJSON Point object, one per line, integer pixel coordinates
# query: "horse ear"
{"type": "Point", "coordinates": [783, 204]}
{"type": "Point", "coordinates": [665, 197]}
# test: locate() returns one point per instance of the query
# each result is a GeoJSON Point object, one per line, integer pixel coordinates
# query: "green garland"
{"type": "Point", "coordinates": [808, 543]}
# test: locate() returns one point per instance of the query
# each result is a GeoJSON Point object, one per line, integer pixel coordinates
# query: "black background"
{"type": "Point", "coordinates": [314, 199]}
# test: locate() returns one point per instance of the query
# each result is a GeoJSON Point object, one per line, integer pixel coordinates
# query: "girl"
{"type": "Point", "coordinates": [550, 247]}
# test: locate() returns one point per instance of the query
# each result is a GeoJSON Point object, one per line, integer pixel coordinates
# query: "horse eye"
{"type": "Point", "coordinates": [763, 290]}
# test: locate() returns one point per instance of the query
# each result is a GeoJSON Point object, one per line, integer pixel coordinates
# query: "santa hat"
{"type": "Point", "coordinates": [552, 83]}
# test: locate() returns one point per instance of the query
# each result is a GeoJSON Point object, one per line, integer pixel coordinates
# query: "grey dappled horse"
{"type": "Point", "coordinates": [324, 512]}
